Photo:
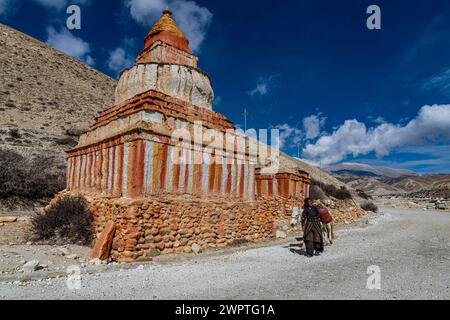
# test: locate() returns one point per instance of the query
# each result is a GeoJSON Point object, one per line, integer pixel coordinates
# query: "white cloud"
{"type": "Point", "coordinates": [56, 4]}
{"type": "Point", "coordinates": [60, 4]}
{"type": "Point", "coordinates": [66, 42]}
{"type": "Point", "coordinates": [90, 60]}
{"type": "Point", "coordinates": [263, 85]}
{"type": "Point", "coordinates": [439, 82]}
{"type": "Point", "coordinates": [432, 125]}
{"type": "Point", "coordinates": [119, 60]}
{"type": "Point", "coordinates": [289, 136]}
{"type": "Point", "coordinates": [312, 126]}
{"type": "Point", "coordinates": [5, 6]}
{"type": "Point", "coordinates": [378, 120]}
{"type": "Point", "coordinates": [193, 19]}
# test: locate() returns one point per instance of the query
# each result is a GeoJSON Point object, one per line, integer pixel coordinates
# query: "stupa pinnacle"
{"type": "Point", "coordinates": [167, 65]}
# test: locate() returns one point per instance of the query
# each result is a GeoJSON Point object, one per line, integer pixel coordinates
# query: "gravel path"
{"type": "Point", "coordinates": [411, 248]}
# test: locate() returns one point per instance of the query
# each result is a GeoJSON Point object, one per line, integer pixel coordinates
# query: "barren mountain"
{"type": "Point", "coordinates": [44, 89]}
{"type": "Point", "coordinates": [437, 183]}
{"type": "Point", "coordinates": [361, 169]}
{"type": "Point", "coordinates": [46, 99]}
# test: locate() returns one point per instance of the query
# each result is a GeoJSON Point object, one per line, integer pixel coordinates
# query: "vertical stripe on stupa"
{"type": "Point", "coordinates": [190, 171]}
{"type": "Point", "coordinates": [238, 177]}
{"type": "Point", "coordinates": [182, 185]}
{"type": "Point", "coordinates": [148, 167]}
{"type": "Point", "coordinates": [275, 187]}
{"type": "Point", "coordinates": [119, 182]}
{"type": "Point", "coordinates": [205, 174]}
{"type": "Point", "coordinates": [157, 152]}
{"type": "Point", "coordinates": [251, 185]}
{"type": "Point", "coordinates": [242, 178]}
{"type": "Point", "coordinates": [223, 182]}
{"type": "Point", "coordinates": [245, 188]}
{"type": "Point", "coordinates": [233, 177]}
{"type": "Point", "coordinates": [169, 165]}
{"type": "Point", "coordinates": [163, 173]}
{"type": "Point", "coordinates": [110, 170]}
{"type": "Point", "coordinates": [212, 173]}
{"type": "Point", "coordinates": [68, 173]}
{"type": "Point", "coordinates": [126, 150]}
{"type": "Point", "coordinates": [78, 173]}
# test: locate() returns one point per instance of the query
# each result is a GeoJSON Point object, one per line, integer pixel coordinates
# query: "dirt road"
{"type": "Point", "coordinates": [410, 247]}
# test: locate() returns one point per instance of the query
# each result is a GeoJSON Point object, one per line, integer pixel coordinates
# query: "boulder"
{"type": "Point", "coordinates": [8, 219]}
{"type": "Point", "coordinates": [104, 242]}
{"type": "Point", "coordinates": [64, 251]}
{"type": "Point", "coordinates": [31, 266]}
{"type": "Point", "coordinates": [280, 234]}
{"type": "Point", "coordinates": [196, 248]}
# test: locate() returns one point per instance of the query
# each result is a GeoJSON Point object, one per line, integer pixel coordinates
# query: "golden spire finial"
{"type": "Point", "coordinates": [167, 11]}
{"type": "Point", "coordinates": [167, 24]}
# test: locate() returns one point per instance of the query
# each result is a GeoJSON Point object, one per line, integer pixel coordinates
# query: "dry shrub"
{"type": "Point", "coordinates": [75, 131]}
{"type": "Point", "coordinates": [364, 195]}
{"type": "Point", "coordinates": [316, 193]}
{"type": "Point", "coordinates": [36, 177]}
{"type": "Point", "coordinates": [369, 206]}
{"type": "Point", "coordinates": [67, 220]}
{"type": "Point", "coordinates": [330, 190]}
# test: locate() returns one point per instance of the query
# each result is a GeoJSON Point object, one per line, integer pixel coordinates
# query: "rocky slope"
{"type": "Point", "coordinates": [44, 89]}
{"type": "Point", "coordinates": [46, 100]}
{"type": "Point", "coordinates": [438, 183]}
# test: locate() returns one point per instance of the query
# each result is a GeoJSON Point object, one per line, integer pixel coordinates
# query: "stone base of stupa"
{"type": "Point", "coordinates": [149, 227]}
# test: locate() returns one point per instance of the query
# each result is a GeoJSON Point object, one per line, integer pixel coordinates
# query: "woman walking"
{"type": "Point", "coordinates": [312, 229]}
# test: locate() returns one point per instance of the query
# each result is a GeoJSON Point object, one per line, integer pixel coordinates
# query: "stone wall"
{"type": "Point", "coordinates": [172, 224]}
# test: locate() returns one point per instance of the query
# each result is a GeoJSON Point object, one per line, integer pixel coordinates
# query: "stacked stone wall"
{"type": "Point", "coordinates": [172, 224]}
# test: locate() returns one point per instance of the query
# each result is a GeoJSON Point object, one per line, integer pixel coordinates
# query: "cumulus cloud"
{"type": "Point", "coordinates": [431, 125]}
{"type": "Point", "coordinates": [193, 19]}
{"type": "Point", "coordinates": [119, 60]}
{"type": "Point", "coordinates": [289, 136]}
{"type": "Point", "coordinates": [313, 125]}
{"type": "Point", "coordinates": [66, 42]}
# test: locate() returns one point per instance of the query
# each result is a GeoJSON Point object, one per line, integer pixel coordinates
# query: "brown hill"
{"type": "Point", "coordinates": [400, 185]}
{"type": "Point", "coordinates": [46, 98]}
{"type": "Point", "coordinates": [44, 89]}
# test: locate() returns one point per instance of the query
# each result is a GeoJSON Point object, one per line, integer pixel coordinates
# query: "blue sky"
{"type": "Point", "coordinates": [310, 68]}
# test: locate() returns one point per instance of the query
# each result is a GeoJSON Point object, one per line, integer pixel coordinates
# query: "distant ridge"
{"type": "Point", "coordinates": [365, 170]}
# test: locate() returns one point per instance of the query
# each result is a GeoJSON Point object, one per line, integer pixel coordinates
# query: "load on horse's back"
{"type": "Point", "coordinates": [327, 221]}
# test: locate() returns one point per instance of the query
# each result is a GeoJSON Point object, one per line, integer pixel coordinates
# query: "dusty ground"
{"type": "Point", "coordinates": [411, 248]}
